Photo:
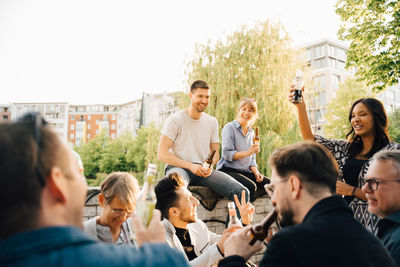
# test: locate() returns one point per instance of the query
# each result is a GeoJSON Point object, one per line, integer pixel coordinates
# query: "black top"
{"type": "Point", "coordinates": [184, 237]}
{"type": "Point", "coordinates": [351, 171]}
{"type": "Point", "coordinates": [328, 236]}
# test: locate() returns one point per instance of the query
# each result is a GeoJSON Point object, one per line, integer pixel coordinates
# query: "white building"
{"type": "Point", "coordinates": [56, 113]}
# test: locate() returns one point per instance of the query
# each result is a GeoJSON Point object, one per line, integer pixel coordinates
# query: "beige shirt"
{"type": "Point", "coordinates": [191, 138]}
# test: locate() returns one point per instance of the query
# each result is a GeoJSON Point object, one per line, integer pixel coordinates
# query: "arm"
{"type": "Point", "coordinates": [347, 190]}
{"type": "Point", "coordinates": [166, 156]}
{"type": "Point", "coordinates": [304, 122]}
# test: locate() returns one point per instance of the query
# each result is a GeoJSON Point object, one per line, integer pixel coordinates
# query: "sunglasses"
{"type": "Point", "coordinates": [35, 121]}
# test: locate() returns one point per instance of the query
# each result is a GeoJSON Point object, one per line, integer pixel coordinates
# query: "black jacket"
{"type": "Point", "coordinates": [328, 236]}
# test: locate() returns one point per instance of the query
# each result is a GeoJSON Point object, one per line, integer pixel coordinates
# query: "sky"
{"type": "Point", "coordinates": [110, 52]}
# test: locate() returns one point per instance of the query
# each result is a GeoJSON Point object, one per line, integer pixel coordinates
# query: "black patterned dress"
{"type": "Point", "coordinates": [340, 151]}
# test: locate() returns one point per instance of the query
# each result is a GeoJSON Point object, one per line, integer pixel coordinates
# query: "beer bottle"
{"type": "Point", "coordinates": [260, 231]}
{"type": "Point", "coordinates": [146, 200]}
{"type": "Point", "coordinates": [209, 160]}
{"type": "Point", "coordinates": [233, 219]}
{"type": "Point", "coordinates": [256, 139]}
{"type": "Point", "coordinates": [298, 82]}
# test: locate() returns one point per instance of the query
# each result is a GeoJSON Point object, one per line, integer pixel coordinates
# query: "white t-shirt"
{"type": "Point", "coordinates": [191, 138]}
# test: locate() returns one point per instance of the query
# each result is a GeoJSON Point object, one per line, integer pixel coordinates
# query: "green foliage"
{"type": "Point", "coordinates": [260, 63]}
{"type": "Point", "coordinates": [91, 153]}
{"type": "Point", "coordinates": [337, 115]}
{"type": "Point", "coordinates": [101, 156]}
{"type": "Point", "coordinates": [394, 125]}
{"type": "Point", "coordinates": [372, 26]}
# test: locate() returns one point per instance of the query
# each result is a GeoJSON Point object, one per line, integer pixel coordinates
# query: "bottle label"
{"type": "Point", "coordinates": [206, 165]}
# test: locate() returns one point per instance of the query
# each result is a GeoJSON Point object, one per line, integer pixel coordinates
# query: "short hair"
{"type": "Point", "coordinates": [393, 155]}
{"type": "Point", "coordinates": [20, 156]}
{"type": "Point", "coordinates": [252, 103]}
{"type": "Point", "coordinates": [312, 162]}
{"type": "Point", "coordinates": [198, 84]}
{"type": "Point", "coordinates": [166, 194]}
{"type": "Point", "coordinates": [121, 185]}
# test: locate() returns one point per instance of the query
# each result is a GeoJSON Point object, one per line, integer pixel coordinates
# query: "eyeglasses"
{"type": "Point", "coordinates": [373, 183]}
{"type": "Point", "coordinates": [36, 121]}
{"type": "Point", "coordinates": [119, 213]}
{"type": "Point", "coordinates": [270, 188]}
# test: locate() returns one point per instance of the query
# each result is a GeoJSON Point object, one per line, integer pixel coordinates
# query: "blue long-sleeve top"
{"type": "Point", "coordinates": [233, 141]}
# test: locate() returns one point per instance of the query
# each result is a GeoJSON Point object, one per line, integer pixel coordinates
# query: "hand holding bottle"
{"type": "Point", "coordinates": [254, 148]}
{"type": "Point", "coordinates": [238, 244]}
{"type": "Point", "coordinates": [155, 233]}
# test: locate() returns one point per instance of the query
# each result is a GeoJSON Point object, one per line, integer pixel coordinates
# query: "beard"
{"type": "Point", "coordinates": [286, 218]}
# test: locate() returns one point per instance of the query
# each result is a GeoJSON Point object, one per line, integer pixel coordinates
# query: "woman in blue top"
{"type": "Point", "coordinates": [238, 150]}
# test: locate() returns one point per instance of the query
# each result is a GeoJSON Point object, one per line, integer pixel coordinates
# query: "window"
{"type": "Point", "coordinates": [97, 131]}
{"type": "Point", "coordinates": [88, 117]}
{"type": "Point", "coordinates": [71, 136]}
{"type": "Point", "coordinates": [113, 135]}
{"type": "Point", "coordinates": [89, 126]}
{"type": "Point", "coordinates": [335, 81]}
{"type": "Point", "coordinates": [82, 118]}
{"type": "Point", "coordinates": [322, 99]}
{"type": "Point", "coordinates": [113, 117]}
{"type": "Point", "coordinates": [88, 136]}
{"type": "Point", "coordinates": [72, 117]}
{"type": "Point", "coordinates": [72, 126]}
{"type": "Point", "coordinates": [104, 117]}
{"type": "Point", "coordinates": [113, 126]}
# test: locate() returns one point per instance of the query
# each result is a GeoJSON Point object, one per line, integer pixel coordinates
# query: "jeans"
{"type": "Point", "coordinates": [247, 179]}
{"type": "Point", "coordinates": [219, 182]}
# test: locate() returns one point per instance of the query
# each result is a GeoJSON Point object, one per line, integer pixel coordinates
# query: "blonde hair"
{"type": "Point", "coordinates": [251, 103]}
{"type": "Point", "coordinates": [121, 185]}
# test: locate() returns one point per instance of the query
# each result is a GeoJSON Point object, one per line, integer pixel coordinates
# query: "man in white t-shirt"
{"type": "Point", "coordinates": [188, 137]}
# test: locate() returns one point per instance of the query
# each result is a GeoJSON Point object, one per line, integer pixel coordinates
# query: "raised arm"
{"type": "Point", "coordinates": [304, 122]}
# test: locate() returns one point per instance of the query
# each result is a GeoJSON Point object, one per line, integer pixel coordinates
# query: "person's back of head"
{"type": "Point", "coordinates": [166, 192]}
{"type": "Point", "coordinates": [311, 162]}
{"type": "Point", "coordinates": [28, 151]}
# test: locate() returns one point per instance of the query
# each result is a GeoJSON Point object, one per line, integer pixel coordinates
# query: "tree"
{"type": "Point", "coordinates": [91, 153]}
{"type": "Point", "coordinates": [372, 26]}
{"type": "Point", "coordinates": [394, 125]}
{"type": "Point", "coordinates": [257, 62]}
{"type": "Point", "coordinates": [337, 115]}
{"type": "Point", "coordinates": [114, 154]}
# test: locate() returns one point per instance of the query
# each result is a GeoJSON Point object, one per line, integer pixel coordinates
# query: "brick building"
{"type": "Point", "coordinates": [5, 113]}
{"type": "Point", "coordinates": [87, 121]}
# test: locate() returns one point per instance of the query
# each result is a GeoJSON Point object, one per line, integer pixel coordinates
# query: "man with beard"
{"type": "Point", "coordinates": [188, 137]}
{"type": "Point", "coordinates": [319, 228]}
{"type": "Point", "coordinates": [184, 231]}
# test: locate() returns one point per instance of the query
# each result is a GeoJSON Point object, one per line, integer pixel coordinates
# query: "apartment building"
{"type": "Point", "coordinates": [86, 121]}
{"type": "Point", "coordinates": [5, 112]}
{"type": "Point", "coordinates": [327, 59]}
{"type": "Point", "coordinates": [56, 114]}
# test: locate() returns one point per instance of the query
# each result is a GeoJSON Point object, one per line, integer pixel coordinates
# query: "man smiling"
{"type": "Point", "coordinates": [382, 189]}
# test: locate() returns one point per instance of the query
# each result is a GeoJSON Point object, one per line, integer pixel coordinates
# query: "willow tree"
{"type": "Point", "coordinates": [257, 62]}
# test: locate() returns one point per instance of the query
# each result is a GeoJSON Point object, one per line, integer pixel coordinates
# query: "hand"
{"type": "Point", "coordinates": [259, 177]}
{"type": "Point", "coordinates": [208, 172]}
{"type": "Point", "coordinates": [246, 210]}
{"type": "Point", "coordinates": [238, 244]}
{"type": "Point", "coordinates": [254, 148]}
{"type": "Point", "coordinates": [155, 233]}
{"type": "Point", "coordinates": [292, 88]}
{"type": "Point", "coordinates": [343, 189]}
{"type": "Point", "coordinates": [197, 169]}
{"type": "Point", "coordinates": [227, 233]}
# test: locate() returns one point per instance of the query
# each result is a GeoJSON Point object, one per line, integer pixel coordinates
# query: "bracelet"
{"type": "Point", "coordinates": [354, 190]}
